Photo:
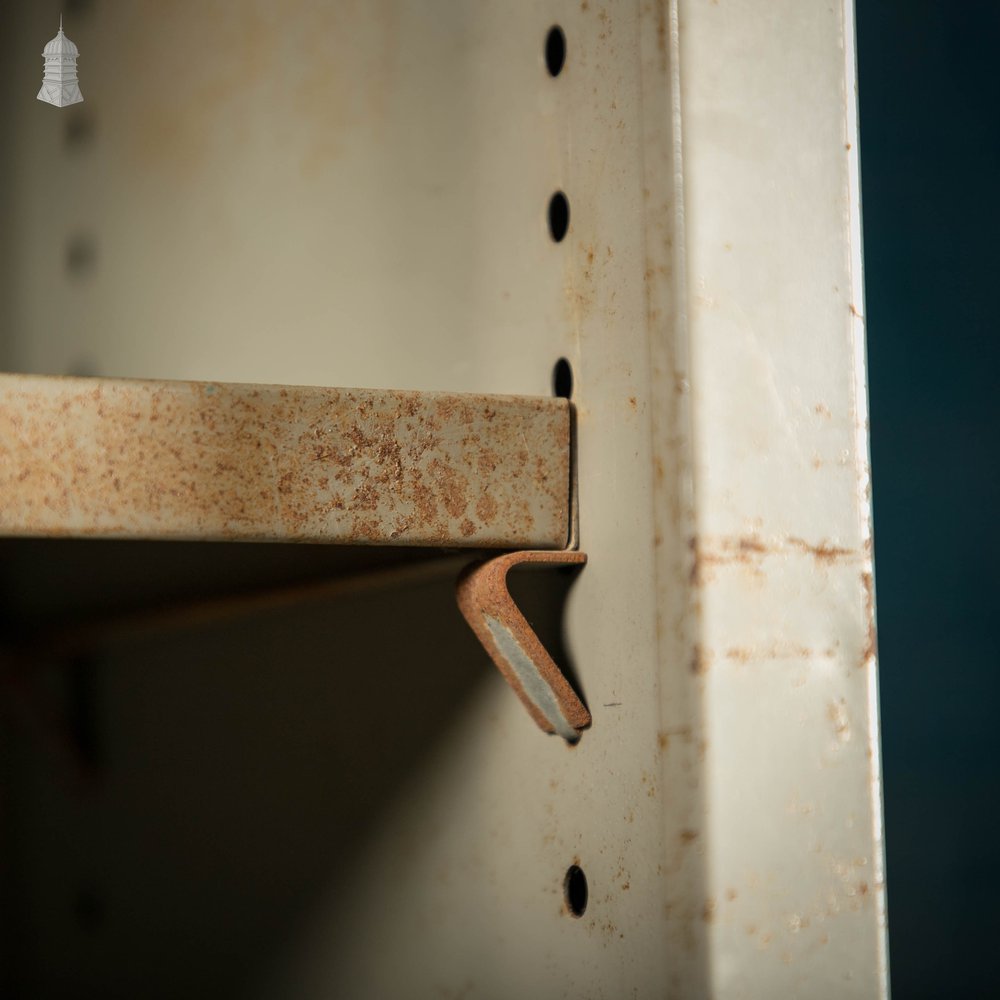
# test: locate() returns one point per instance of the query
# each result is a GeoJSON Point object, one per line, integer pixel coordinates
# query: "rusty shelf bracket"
{"type": "Point", "coordinates": [486, 604]}
{"type": "Point", "coordinates": [214, 461]}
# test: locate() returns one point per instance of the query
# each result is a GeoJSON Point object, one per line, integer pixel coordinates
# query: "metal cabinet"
{"type": "Point", "coordinates": [653, 210]}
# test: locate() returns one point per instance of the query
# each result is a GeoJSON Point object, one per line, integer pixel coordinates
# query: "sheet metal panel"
{"type": "Point", "coordinates": [784, 651]}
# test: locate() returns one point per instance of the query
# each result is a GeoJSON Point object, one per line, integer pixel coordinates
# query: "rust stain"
{"type": "Point", "coordinates": [124, 458]}
{"type": "Point", "coordinates": [823, 551]}
{"type": "Point", "coordinates": [452, 487]}
{"type": "Point", "coordinates": [700, 660]}
{"type": "Point", "coordinates": [486, 507]}
{"type": "Point", "coordinates": [695, 576]}
{"type": "Point", "coordinates": [684, 732]}
{"type": "Point", "coordinates": [776, 650]}
{"type": "Point", "coordinates": [750, 543]}
{"type": "Point", "coordinates": [871, 635]}
{"type": "Point", "coordinates": [751, 550]}
{"type": "Point", "coordinates": [836, 712]}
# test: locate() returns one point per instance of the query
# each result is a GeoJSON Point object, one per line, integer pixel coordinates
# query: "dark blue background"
{"type": "Point", "coordinates": [930, 146]}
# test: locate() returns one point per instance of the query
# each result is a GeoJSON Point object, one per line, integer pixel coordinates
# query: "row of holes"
{"type": "Point", "coordinates": [575, 890]}
{"type": "Point", "coordinates": [555, 59]}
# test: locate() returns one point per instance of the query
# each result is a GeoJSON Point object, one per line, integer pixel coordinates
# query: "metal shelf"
{"type": "Point", "coordinates": [117, 458]}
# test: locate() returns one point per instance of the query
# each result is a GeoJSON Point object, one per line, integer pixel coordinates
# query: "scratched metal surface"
{"type": "Point", "coordinates": [271, 183]}
{"type": "Point", "coordinates": [136, 459]}
{"type": "Point", "coordinates": [782, 666]}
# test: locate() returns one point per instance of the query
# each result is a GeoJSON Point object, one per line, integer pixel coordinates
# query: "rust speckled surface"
{"type": "Point", "coordinates": [201, 460]}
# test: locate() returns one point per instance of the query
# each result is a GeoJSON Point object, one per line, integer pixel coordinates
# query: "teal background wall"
{"type": "Point", "coordinates": [930, 147]}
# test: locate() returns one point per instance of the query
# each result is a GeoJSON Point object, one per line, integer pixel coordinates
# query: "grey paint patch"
{"type": "Point", "coordinates": [531, 681]}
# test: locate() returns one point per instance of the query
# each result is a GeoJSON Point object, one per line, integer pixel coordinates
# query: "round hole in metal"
{"type": "Point", "coordinates": [558, 216]}
{"type": "Point", "coordinates": [555, 50]}
{"type": "Point", "coordinates": [575, 890]}
{"type": "Point", "coordinates": [562, 379]}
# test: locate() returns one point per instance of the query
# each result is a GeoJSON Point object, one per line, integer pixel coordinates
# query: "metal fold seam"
{"type": "Point", "coordinates": [858, 332]}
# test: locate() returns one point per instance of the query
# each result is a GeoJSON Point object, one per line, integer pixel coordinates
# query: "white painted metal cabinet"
{"type": "Point", "coordinates": [338, 798]}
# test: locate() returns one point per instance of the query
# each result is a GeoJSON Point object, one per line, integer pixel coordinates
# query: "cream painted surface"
{"type": "Point", "coordinates": [354, 194]}
{"type": "Point", "coordinates": [786, 641]}
{"type": "Point", "coordinates": [305, 193]}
